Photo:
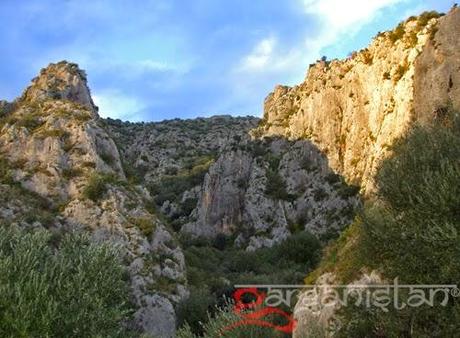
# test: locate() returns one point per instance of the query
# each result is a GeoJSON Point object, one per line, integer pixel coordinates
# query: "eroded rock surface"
{"type": "Point", "coordinates": [354, 109]}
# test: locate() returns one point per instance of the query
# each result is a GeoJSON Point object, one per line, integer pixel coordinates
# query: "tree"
{"type": "Point", "coordinates": [74, 288]}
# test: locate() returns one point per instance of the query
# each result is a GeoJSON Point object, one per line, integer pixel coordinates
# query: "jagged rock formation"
{"type": "Point", "coordinates": [354, 109]}
{"type": "Point", "coordinates": [265, 192]}
{"type": "Point", "coordinates": [407, 75]}
{"type": "Point", "coordinates": [312, 314]}
{"type": "Point", "coordinates": [61, 169]}
{"type": "Point", "coordinates": [64, 168]}
{"type": "Point", "coordinates": [209, 178]}
{"type": "Point", "coordinates": [61, 81]}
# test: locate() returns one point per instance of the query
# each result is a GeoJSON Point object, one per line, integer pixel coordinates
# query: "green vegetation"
{"type": "Point", "coordinates": [211, 274]}
{"type": "Point", "coordinates": [225, 318]}
{"type": "Point", "coordinates": [107, 157]}
{"type": "Point", "coordinates": [59, 133]}
{"type": "Point", "coordinates": [145, 224]}
{"type": "Point", "coordinates": [70, 173]}
{"type": "Point", "coordinates": [400, 71]}
{"type": "Point", "coordinates": [172, 186]}
{"type": "Point", "coordinates": [397, 33]}
{"type": "Point", "coordinates": [367, 57]}
{"type": "Point", "coordinates": [275, 186]}
{"type": "Point", "coordinates": [409, 232]}
{"type": "Point", "coordinates": [60, 287]}
{"type": "Point", "coordinates": [29, 121]}
{"type": "Point", "coordinates": [97, 185]}
{"type": "Point", "coordinates": [425, 17]}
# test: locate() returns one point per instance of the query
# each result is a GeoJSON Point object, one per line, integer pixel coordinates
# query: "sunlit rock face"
{"type": "Point", "coordinates": [354, 109]}
{"type": "Point", "coordinates": [56, 147]}
{"type": "Point", "coordinates": [61, 81]}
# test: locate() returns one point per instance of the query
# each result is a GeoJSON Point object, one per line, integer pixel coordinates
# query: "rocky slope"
{"type": "Point", "coordinates": [60, 169]}
{"type": "Point", "coordinates": [143, 185]}
{"type": "Point", "coordinates": [209, 178]}
{"type": "Point", "coordinates": [251, 182]}
{"type": "Point", "coordinates": [353, 109]}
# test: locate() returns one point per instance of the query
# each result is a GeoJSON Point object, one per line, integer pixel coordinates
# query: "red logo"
{"type": "Point", "coordinates": [257, 316]}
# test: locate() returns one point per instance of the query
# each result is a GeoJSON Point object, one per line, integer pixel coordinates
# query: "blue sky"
{"type": "Point", "coordinates": [159, 59]}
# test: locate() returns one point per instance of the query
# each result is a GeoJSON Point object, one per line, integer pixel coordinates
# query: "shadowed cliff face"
{"type": "Point", "coordinates": [255, 183]}
{"type": "Point", "coordinates": [209, 178]}
{"type": "Point", "coordinates": [354, 109]}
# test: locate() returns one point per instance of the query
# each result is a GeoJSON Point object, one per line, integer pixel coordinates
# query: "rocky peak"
{"type": "Point", "coordinates": [61, 81]}
{"type": "Point", "coordinates": [354, 109]}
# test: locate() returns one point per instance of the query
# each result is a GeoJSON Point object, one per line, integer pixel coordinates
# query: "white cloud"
{"type": "Point", "coordinates": [272, 61]}
{"type": "Point", "coordinates": [340, 14]}
{"type": "Point", "coordinates": [340, 18]}
{"type": "Point", "coordinates": [112, 103]}
{"type": "Point", "coordinates": [260, 56]}
{"type": "Point", "coordinates": [336, 19]}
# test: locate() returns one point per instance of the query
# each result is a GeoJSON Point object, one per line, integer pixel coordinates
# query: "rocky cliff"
{"type": "Point", "coordinates": [254, 183]}
{"type": "Point", "coordinates": [354, 109]}
{"type": "Point", "coordinates": [210, 178]}
{"type": "Point", "coordinates": [61, 170]}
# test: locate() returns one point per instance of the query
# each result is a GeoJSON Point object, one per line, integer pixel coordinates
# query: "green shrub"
{"type": "Point", "coordinates": [411, 232]}
{"type": "Point", "coordinates": [70, 173]}
{"type": "Point", "coordinates": [171, 187]}
{"type": "Point", "coordinates": [107, 157]}
{"type": "Point", "coordinates": [333, 178]}
{"type": "Point", "coordinates": [5, 171]}
{"type": "Point", "coordinates": [145, 224]}
{"type": "Point", "coordinates": [74, 289]}
{"type": "Point", "coordinates": [425, 17]}
{"type": "Point", "coordinates": [319, 194]}
{"type": "Point", "coordinates": [219, 323]}
{"type": "Point", "coordinates": [192, 310]}
{"type": "Point", "coordinates": [367, 57]}
{"type": "Point", "coordinates": [59, 133]}
{"type": "Point", "coordinates": [348, 190]}
{"type": "Point", "coordinates": [302, 248]}
{"type": "Point", "coordinates": [97, 186]}
{"type": "Point", "coordinates": [214, 272]}
{"type": "Point", "coordinates": [397, 33]}
{"type": "Point", "coordinates": [400, 71]}
{"type": "Point", "coordinates": [276, 187]}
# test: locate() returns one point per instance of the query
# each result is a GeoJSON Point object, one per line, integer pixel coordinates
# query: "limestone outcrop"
{"type": "Point", "coordinates": [60, 169]}
{"type": "Point", "coordinates": [354, 109]}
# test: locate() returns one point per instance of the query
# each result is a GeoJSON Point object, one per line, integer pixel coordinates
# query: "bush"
{"type": "Point", "coordinates": [397, 33]}
{"type": "Point", "coordinates": [218, 270]}
{"type": "Point", "coordinates": [107, 157]}
{"type": "Point", "coordinates": [425, 17]}
{"type": "Point", "coordinates": [303, 248]}
{"type": "Point", "coordinates": [276, 187]}
{"type": "Point", "coordinates": [216, 326]}
{"type": "Point", "coordinates": [77, 289]}
{"type": "Point", "coordinates": [71, 173]}
{"type": "Point", "coordinates": [347, 191]}
{"type": "Point", "coordinates": [196, 307]}
{"type": "Point", "coordinates": [145, 225]}
{"type": "Point", "coordinates": [319, 194]}
{"type": "Point", "coordinates": [400, 71]}
{"type": "Point", "coordinates": [411, 232]}
{"type": "Point", "coordinates": [29, 121]}
{"type": "Point", "coordinates": [171, 188]}
{"type": "Point", "coordinates": [97, 186]}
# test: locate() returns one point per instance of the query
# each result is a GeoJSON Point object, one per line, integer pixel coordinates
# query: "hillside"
{"type": "Point", "coordinates": [349, 177]}
{"type": "Point", "coordinates": [354, 109]}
